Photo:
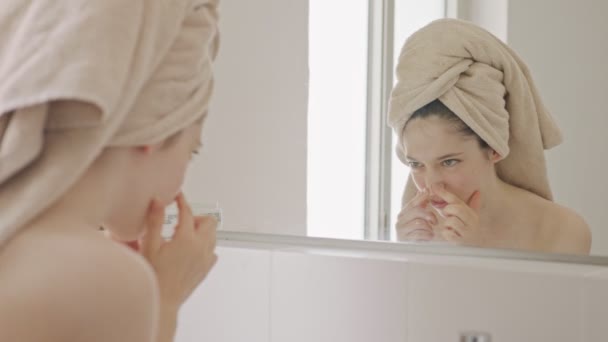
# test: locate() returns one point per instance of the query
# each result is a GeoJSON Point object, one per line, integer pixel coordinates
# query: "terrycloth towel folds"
{"type": "Point", "coordinates": [488, 86]}
{"type": "Point", "coordinates": [78, 76]}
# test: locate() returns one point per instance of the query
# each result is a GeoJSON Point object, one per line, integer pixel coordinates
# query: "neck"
{"type": "Point", "coordinates": [87, 203]}
{"type": "Point", "coordinates": [496, 206]}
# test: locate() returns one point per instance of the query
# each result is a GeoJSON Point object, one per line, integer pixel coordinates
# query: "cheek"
{"type": "Point", "coordinates": [172, 181]}
{"type": "Point", "coordinates": [456, 179]}
{"type": "Point", "coordinates": [463, 183]}
{"type": "Point", "coordinates": [418, 180]}
{"type": "Point", "coordinates": [174, 184]}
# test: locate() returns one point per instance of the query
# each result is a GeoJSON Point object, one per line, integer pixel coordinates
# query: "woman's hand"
{"type": "Point", "coordinates": [460, 219]}
{"type": "Point", "coordinates": [415, 220]}
{"type": "Point", "coordinates": [183, 262]}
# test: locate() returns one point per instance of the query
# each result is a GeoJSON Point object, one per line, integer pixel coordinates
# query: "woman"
{"type": "Point", "coordinates": [101, 107]}
{"type": "Point", "coordinates": [473, 130]}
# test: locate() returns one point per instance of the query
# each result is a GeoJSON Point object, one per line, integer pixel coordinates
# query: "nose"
{"type": "Point", "coordinates": [433, 177]}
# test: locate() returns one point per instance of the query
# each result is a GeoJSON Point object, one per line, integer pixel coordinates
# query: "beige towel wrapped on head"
{"type": "Point", "coordinates": [81, 75]}
{"type": "Point", "coordinates": [486, 85]}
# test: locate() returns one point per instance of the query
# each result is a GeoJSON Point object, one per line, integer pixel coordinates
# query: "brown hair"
{"type": "Point", "coordinates": [438, 109]}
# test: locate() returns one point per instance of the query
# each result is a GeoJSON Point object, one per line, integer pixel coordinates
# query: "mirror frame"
{"type": "Point", "coordinates": [409, 248]}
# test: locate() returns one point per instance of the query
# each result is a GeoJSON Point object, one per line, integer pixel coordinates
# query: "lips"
{"type": "Point", "coordinates": [439, 204]}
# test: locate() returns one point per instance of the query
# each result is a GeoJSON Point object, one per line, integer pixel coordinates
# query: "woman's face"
{"type": "Point", "coordinates": [438, 153]}
{"type": "Point", "coordinates": [156, 172]}
{"type": "Point", "coordinates": [171, 162]}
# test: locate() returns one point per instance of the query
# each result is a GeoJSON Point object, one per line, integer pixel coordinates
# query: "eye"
{"type": "Point", "coordinates": [414, 164]}
{"type": "Point", "coordinates": [194, 153]}
{"type": "Point", "coordinates": [450, 162]}
{"type": "Point", "coordinates": [197, 150]}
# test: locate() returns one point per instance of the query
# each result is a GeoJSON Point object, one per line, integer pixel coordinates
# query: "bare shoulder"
{"type": "Point", "coordinates": [565, 230]}
{"type": "Point", "coordinates": [59, 287]}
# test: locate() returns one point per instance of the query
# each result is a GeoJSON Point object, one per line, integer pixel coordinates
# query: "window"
{"type": "Point", "coordinates": [336, 118]}
{"type": "Point", "coordinates": [410, 15]}
{"type": "Point", "coordinates": [354, 180]}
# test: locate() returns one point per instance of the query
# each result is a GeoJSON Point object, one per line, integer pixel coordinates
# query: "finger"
{"type": "Point", "coordinates": [214, 260]}
{"type": "Point", "coordinates": [417, 235]}
{"type": "Point", "coordinates": [416, 230]}
{"type": "Point", "coordinates": [455, 224]}
{"type": "Point", "coordinates": [413, 223]}
{"type": "Point", "coordinates": [431, 217]}
{"type": "Point", "coordinates": [461, 211]}
{"type": "Point", "coordinates": [416, 216]}
{"type": "Point", "coordinates": [197, 221]}
{"type": "Point", "coordinates": [419, 223]}
{"type": "Point", "coordinates": [474, 201]}
{"type": "Point", "coordinates": [185, 225]}
{"type": "Point", "coordinates": [152, 239]}
{"type": "Point", "coordinates": [416, 225]}
{"type": "Point", "coordinates": [450, 235]}
{"type": "Point", "coordinates": [445, 195]}
{"type": "Point", "coordinates": [205, 220]}
{"type": "Point", "coordinates": [207, 228]}
{"type": "Point", "coordinates": [417, 213]}
{"type": "Point", "coordinates": [413, 203]}
{"type": "Point", "coordinates": [134, 245]}
{"type": "Point", "coordinates": [419, 200]}
{"type": "Point", "coordinates": [212, 263]}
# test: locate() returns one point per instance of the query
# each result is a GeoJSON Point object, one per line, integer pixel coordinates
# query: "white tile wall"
{"type": "Point", "coordinates": [595, 300]}
{"type": "Point", "coordinates": [232, 305]}
{"type": "Point", "coordinates": [445, 300]}
{"type": "Point", "coordinates": [337, 299]}
{"type": "Point", "coordinates": [265, 294]}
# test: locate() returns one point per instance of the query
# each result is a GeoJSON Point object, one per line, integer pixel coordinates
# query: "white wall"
{"type": "Point", "coordinates": [276, 293]}
{"type": "Point", "coordinates": [565, 44]}
{"type": "Point", "coordinates": [254, 159]}
{"type": "Point", "coordinates": [491, 15]}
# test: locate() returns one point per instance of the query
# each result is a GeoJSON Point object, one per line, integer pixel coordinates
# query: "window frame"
{"type": "Point", "coordinates": [379, 137]}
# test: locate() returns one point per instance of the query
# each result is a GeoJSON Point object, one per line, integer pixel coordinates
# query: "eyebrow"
{"type": "Point", "coordinates": [445, 156]}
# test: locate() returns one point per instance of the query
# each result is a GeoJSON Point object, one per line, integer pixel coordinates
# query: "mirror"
{"type": "Point", "coordinates": [261, 143]}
